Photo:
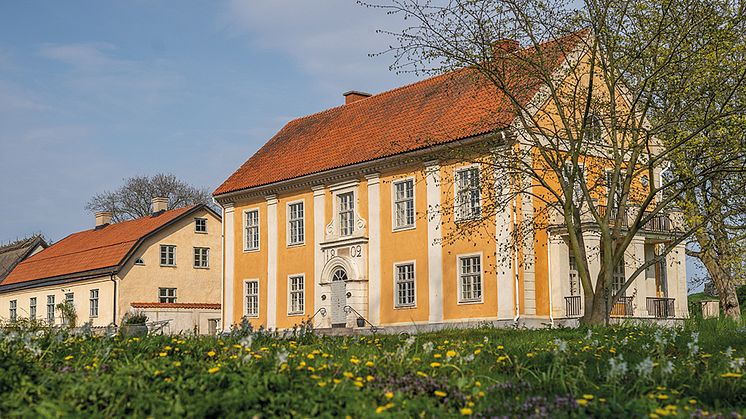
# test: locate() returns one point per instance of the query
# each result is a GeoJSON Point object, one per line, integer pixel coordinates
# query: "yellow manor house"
{"type": "Point", "coordinates": [352, 213]}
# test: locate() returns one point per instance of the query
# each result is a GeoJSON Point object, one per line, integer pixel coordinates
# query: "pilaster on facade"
{"type": "Point", "coordinates": [272, 261]}
{"type": "Point", "coordinates": [374, 248]}
{"type": "Point", "coordinates": [529, 257]}
{"type": "Point", "coordinates": [435, 243]}
{"type": "Point", "coordinates": [641, 287]}
{"type": "Point", "coordinates": [229, 266]}
{"type": "Point", "coordinates": [319, 213]}
{"type": "Point", "coordinates": [504, 254]}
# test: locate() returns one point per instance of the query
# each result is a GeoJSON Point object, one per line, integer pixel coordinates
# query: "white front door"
{"type": "Point", "coordinates": [339, 298]}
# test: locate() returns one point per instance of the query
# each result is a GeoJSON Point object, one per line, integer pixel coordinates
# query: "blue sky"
{"type": "Point", "coordinates": [93, 92]}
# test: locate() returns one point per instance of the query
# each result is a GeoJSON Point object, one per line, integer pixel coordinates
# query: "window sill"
{"type": "Point", "coordinates": [251, 250]}
{"type": "Point", "coordinates": [295, 314]}
{"type": "Point", "coordinates": [410, 307]}
{"type": "Point", "coordinates": [292, 245]}
{"type": "Point", "coordinates": [404, 228]}
{"type": "Point", "coordinates": [167, 266]}
{"type": "Point", "coordinates": [470, 302]}
{"type": "Point", "coordinates": [250, 316]}
{"type": "Point", "coordinates": [200, 232]}
{"type": "Point", "coordinates": [201, 267]}
{"type": "Point", "coordinates": [468, 219]}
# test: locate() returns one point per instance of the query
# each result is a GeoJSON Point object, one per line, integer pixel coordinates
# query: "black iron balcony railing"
{"type": "Point", "coordinates": [660, 223]}
{"type": "Point", "coordinates": [660, 307]}
{"type": "Point", "coordinates": [573, 306]}
{"type": "Point", "coordinates": [623, 307]}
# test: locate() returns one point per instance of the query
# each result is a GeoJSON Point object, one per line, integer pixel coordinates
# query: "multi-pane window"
{"type": "Point", "coordinates": [252, 298]}
{"type": "Point", "coordinates": [50, 308]}
{"type": "Point", "coordinates": [32, 308]}
{"type": "Point", "coordinates": [618, 278]}
{"type": "Point", "coordinates": [593, 128]}
{"type": "Point", "coordinates": [470, 278]}
{"type": "Point", "coordinates": [200, 225]}
{"type": "Point", "coordinates": [167, 295]}
{"type": "Point", "coordinates": [574, 278]}
{"type": "Point", "coordinates": [139, 261]}
{"type": "Point", "coordinates": [346, 213]}
{"type": "Point", "coordinates": [252, 230]}
{"type": "Point", "coordinates": [201, 257]}
{"type": "Point", "coordinates": [93, 303]}
{"type": "Point", "coordinates": [295, 223]}
{"type": "Point", "coordinates": [405, 285]}
{"type": "Point", "coordinates": [297, 294]}
{"type": "Point", "coordinates": [577, 187]}
{"type": "Point", "coordinates": [69, 298]}
{"type": "Point", "coordinates": [468, 198]}
{"type": "Point", "coordinates": [404, 204]}
{"type": "Point", "coordinates": [168, 255]}
{"type": "Point", "coordinates": [13, 309]}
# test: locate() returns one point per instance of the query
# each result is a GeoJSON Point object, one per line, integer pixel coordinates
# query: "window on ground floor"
{"type": "Point", "coordinates": [405, 283]}
{"type": "Point", "coordinates": [470, 279]}
{"type": "Point", "coordinates": [167, 295]}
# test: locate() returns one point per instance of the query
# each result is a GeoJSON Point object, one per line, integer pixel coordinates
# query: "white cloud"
{"type": "Point", "coordinates": [87, 56]}
{"type": "Point", "coordinates": [330, 40]}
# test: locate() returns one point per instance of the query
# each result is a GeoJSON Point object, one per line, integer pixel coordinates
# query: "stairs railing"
{"type": "Point", "coordinates": [348, 310]}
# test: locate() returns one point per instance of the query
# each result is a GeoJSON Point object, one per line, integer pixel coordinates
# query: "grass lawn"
{"type": "Point", "coordinates": [626, 370]}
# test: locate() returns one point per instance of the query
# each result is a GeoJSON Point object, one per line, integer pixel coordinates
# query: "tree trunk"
{"type": "Point", "coordinates": [724, 284]}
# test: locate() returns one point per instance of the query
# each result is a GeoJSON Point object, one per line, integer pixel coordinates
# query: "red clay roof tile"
{"type": "Point", "coordinates": [90, 250]}
{"type": "Point", "coordinates": [444, 108]}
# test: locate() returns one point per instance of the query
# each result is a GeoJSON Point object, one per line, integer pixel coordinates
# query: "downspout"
{"type": "Point", "coordinates": [549, 274]}
{"type": "Point", "coordinates": [114, 310]}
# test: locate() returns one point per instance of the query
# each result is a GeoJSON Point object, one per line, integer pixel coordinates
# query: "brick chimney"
{"type": "Point", "coordinates": [103, 218]}
{"type": "Point", "coordinates": [354, 96]}
{"type": "Point", "coordinates": [505, 46]}
{"type": "Point", "coordinates": [159, 204]}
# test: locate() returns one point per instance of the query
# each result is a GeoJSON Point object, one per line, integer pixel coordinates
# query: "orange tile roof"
{"type": "Point", "coordinates": [452, 106]}
{"type": "Point", "coordinates": [91, 250]}
{"type": "Point", "coordinates": [208, 306]}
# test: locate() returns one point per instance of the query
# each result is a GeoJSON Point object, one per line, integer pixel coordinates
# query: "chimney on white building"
{"type": "Point", "coordinates": [103, 218]}
{"type": "Point", "coordinates": [159, 204]}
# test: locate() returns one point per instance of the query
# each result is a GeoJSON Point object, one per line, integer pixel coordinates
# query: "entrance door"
{"type": "Point", "coordinates": [339, 298]}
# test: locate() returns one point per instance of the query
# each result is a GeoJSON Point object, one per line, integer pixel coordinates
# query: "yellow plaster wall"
{"type": "Point", "coordinates": [250, 264]}
{"type": "Point", "coordinates": [404, 246]}
{"type": "Point", "coordinates": [295, 259]}
{"type": "Point", "coordinates": [140, 283]}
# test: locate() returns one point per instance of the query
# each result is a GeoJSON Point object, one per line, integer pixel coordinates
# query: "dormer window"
{"type": "Point", "coordinates": [139, 261]}
{"type": "Point", "coordinates": [346, 213]}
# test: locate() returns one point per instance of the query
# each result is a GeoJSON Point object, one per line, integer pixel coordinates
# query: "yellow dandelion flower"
{"type": "Point", "coordinates": [369, 378]}
{"type": "Point", "coordinates": [478, 383]}
{"type": "Point", "coordinates": [380, 409]}
{"type": "Point", "coordinates": [322, 384]}
{"type": "Point", "coordinates": [582, 402]}
{"type": "Point", "coordinates": [211, 354]}
{"type": "Point", "coordinates": [389, 395]}
{"type": "Point", "coordinates": [213, 370]}
{"type": "Point", "coordinates": [310, 356]}
{"type": "Point", "coordinates": [477, 352]}
{"type": "Point", "coordinates": [336, 381]}
{"type": "Point", "coordinates": [348, 374]}
{"type": "Point", "coordinates": [466, 411]}
{"type": "Point", "coordinates": [662, 397]}
{"type": "Point", "coordinates": [355, 361]}
{"type": "Point", "coordinates": [731, 375]}
{"type": "Point", "coordinates": [421, 374]}
{"type": "Point", "coordinates": [692, 401]}
{"type": "Point", "coordinates": [440, 393]}
{"type": "Point", "coordinates": [588, 396]}
{"type": "Point", "coordinates": [166, 348]}
{"type": "Point", "coordinates": [434, 364]}
{"type": "Point", "coordinates": [69, 357]}
{"type": "Point", "coordinates": [358, 384]}
{"type": "Point", "coordinates": [369, 364]}
{"type": "Point", "coordinates": [437, 356]}
{"type": "Point", "coordinates": [500, 347]}
{"type": "Point", "coordinates": [163, 354]}
{"type": "Point", "coordinates": [177, 363]}
{"type": "Point", "coordinates": [451, 353]}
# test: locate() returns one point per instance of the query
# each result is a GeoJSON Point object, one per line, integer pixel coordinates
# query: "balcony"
{"type": "Point", "coordinates": [623, 307]}
{"type": "Point", "coordinates": [661, 308]}
{"type": "Point", "coordinates": [573, 306]}
{"type": "Point", "coordinates": [658, 223]}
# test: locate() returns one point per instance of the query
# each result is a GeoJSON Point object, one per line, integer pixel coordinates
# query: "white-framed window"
{"type": "Point", "coordinates": [69, 298]}
{"type": "Point", "coordinates": [251, 230]}
{"type": "Point", "coordinates": [619, 277]}
{"type": "Point", "coordinates": [139, 261]}
{"type": "Point", "coordinates": [200, 225]}
{"type": "Point", "coordinates": [574, 277]}
{"type": "Point", "coordinates": [470, 278]}
{"type": "Point", "coordinates": [404, 203]}
{"type": "Point", "coordinates": [404, 284]}
{"type": "Point", "coordinates": [168, 255]}
{"type": "Point", "coordinates": [32, 308]}
{"type": "Point", "coordinates": [468, 194]}
{"type": "Point", "coordinates": [93, 303]}
{"type": "Point", "coordinates": [577, 187]}
{"type": "Point", "coordinates": [166, 295]}
{"type": "Point", "coordinates": [202, 257]}
{"type": "Point", "coordinates": [593, 129]}
{"type": "Point", "coordinates": [297, 290]}
{"type": "Point", "coordinates": [296, 223]}
{"type": "Point", "coordinates": [346, 203]}
{"type": "Point", "coordinates": [251, 298]}
{"type": "Point", "coordinates": [50, 308]}
{"type": "Point", "coordinates": [13, 312]}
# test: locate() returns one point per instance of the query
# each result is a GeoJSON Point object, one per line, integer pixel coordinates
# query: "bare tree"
{"type": "Point", "coordinates": [593, 131]}
{"type": "Point", "coordinates": [133, 199]}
